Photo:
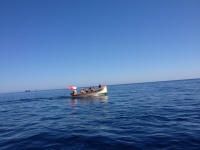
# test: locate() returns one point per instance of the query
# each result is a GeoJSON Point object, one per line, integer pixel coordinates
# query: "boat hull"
{"type": "Point", "coordinates": [102, 91]}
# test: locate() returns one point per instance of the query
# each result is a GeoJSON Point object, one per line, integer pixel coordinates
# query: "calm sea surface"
{"type": "Point", "coordinates": [159, 115]}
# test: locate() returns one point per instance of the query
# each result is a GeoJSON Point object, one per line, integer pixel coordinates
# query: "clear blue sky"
{"type": "Point", "coordinates": [51, 44]}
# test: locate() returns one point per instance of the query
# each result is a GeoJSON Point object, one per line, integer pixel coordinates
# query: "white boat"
{"type": "Point", "coordinates": [101, 91]}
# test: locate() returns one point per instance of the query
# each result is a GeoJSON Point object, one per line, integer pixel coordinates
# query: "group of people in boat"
{"type": "Point", "coordinates": [87, 90]}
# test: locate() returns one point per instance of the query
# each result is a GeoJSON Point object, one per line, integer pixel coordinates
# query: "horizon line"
{"type": "Point", "coordinates": [108, 85]}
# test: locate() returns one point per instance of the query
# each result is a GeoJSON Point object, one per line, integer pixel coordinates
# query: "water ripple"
{"type": "Point", "coordinates": [159, 115]}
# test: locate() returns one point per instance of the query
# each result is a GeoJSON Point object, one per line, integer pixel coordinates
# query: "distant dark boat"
{"type": "Point", "coordinates": [27, 91]}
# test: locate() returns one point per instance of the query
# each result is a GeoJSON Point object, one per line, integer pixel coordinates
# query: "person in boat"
{"type": "Point", "coordinates": [92, 89]}
{"type": "Point", "coordinates": [74, 92]}
{"type": "Point", "coordinates": [86, 90]}
{"type": "Point", "coordinates": [82, 91]}
{"type": "Point", "coordinates": [100, 86]}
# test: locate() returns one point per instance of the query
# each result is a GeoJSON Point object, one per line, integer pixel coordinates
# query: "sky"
{"type": "Point", "coordinates": [51, 44]}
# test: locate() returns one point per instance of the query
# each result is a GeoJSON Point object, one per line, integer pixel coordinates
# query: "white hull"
{"type": "Point", "coordinates": [102, 91]}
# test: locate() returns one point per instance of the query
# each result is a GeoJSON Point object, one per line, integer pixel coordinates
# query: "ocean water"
{"type": "Point", "coordinates": [158, 115]}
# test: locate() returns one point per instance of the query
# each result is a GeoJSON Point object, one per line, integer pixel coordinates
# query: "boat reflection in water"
{"type": "Point", "coordinates": [90, 100]}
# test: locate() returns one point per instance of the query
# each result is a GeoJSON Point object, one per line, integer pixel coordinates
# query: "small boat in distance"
{"type": "Point", "coordinates": [100, 91]}
{"type": "Point", "coordinates": [27, 91]}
